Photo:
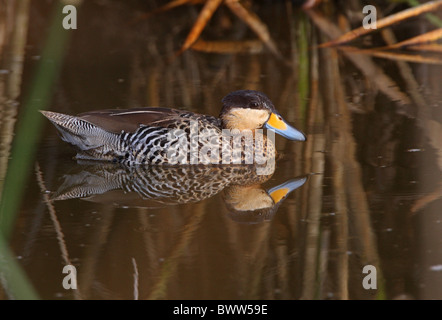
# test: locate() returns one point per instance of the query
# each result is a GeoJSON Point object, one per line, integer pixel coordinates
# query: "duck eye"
{"type": "Point", "coordinates": [253, 105]}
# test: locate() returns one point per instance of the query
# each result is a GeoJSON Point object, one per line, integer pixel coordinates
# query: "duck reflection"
{"type": "Point", "coordinates": [245, 198]}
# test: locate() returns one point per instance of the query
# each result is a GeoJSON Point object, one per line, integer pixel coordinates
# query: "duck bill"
{"type": "Point", "coordinates": [277, 124]}
{"type": "Point", "coordinates": [279, 193]}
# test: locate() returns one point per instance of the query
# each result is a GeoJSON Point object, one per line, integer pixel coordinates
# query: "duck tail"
{"type": "Point", "coordinates": [76, 131]}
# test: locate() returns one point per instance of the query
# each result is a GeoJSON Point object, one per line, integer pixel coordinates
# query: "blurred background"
{"type": "Point", "coordinates": [371, 111]}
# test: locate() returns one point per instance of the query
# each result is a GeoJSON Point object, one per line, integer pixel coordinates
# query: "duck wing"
{"type": "Point", "coordinates": [130, 120]}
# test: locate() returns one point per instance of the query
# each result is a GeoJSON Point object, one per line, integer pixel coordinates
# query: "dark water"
{"type": "Point", "coordinates": [372, 161]}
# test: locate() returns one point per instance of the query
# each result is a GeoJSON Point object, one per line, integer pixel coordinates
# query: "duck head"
{"type": "Point", "coordinates": [250, 110]}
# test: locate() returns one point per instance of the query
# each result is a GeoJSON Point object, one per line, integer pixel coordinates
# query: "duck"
{"type": "Point", "coordinates": [168, 136]}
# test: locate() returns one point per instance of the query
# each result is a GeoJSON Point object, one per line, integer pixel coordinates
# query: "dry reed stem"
{"type": "Point", "coordinates": [398, 56]}
{"type": "Point", "coordinates": [228, 47]}
{"type": "Point", "coordinates": [351, 196]}
{"type": "Point", "coordinates": [314, 147]}
{"type": "Point", "coordinates": [365, 64]}
{"type": "Point", "coordinates": [10, 88]}
{"type": "Point", "coordinates": [169, 266]}
{"type": "Point", "coordinates": [385, 22]}
{"type": "Point", "coordinates": [253, 21]}
{"type": "Point", "coordinates": [431, 128]}
{"type": "Point", "coordinates": [92, 256]}
{"type": "Point", "coordinates": [53, 214]}
{"type": "Point", "coordinates": [136, 279]}
{"type": "Point", "coordinates": [339, 130]}
{"type": "Point", "coordinates": [57, 226]}
{"type": "Point", "coordinates": [427, 48]}
{"type": "Point", "coordinates": [324, 253]}
{"type": "Point", "coordinates": [420, 39]}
